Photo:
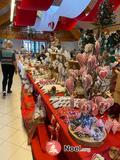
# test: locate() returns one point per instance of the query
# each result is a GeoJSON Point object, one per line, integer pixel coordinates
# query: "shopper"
{"type": "Point", "coordinates": [41, 56]}
{"type": "Point", "coordinates": [23, 50]}
{"type": "Point", "coordinates": [8, 65]}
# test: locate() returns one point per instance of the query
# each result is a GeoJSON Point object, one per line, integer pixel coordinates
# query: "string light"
{"type": "Point", "coordinates": [12, 10]}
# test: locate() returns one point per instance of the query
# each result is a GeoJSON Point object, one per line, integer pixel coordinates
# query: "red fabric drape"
{"type": "Point", "coordinates": [115, 3]}
{"type": "Point", "coordinates": [26, 13]}
{"type": "Point", "coordinates": [93, 14]}
{"type": "Point", "coordinates": [66, 24]}
{"type": "Point", "coordinates": [24, 17]}
{"type": "Point", "coordinates": [81, 16]}
{"type": "Point", "coordinates": [36, 4]}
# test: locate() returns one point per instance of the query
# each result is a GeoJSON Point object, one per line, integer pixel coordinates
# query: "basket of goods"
{"type": "Point", "coordinates": [87, 130]}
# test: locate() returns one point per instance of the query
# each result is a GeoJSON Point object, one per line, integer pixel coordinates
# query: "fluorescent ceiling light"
{"type": "Point", "coordinates": [12, 10]}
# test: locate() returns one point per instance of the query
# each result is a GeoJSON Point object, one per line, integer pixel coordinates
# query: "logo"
{"type": "Point", "coordinates": [53, 148]}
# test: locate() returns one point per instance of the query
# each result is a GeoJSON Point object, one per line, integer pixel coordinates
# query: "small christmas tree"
{"type": "Point", "coordinates": [106, 18]}
{"type": "Point", "coordinates": [102, 43]}
{"type": "Point", "coordinates": [106, 15]}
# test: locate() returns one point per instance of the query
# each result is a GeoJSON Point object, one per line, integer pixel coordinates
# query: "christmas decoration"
{"type": "Point", "coordinates": [108, 46]}
{"type": "Point", "coordinates": [87, 130]}
{"type": "Point", "coordinates": [93, 78]}
{"type": "Point", "coordinates": [112, 124]}
{"type": "Point", "coordinates": [105, 14]}
{"type": "Point", "coordinates": [106, 18]}
{"type": "Point", "coordinates": [53, 147]}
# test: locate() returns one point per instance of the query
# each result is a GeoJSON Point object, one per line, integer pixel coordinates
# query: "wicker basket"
{"type": "Point", "coordinates": [87, 141]}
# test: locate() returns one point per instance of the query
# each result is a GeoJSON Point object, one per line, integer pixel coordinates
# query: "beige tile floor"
{"type": "Point", "coordinates": [13, 138]}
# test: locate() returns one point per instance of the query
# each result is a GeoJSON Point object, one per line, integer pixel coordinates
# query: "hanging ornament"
{"type": "Point", "coordinates": [51, 129]}
{"type": "Point", "coordinates": [53, 120]}
{"type": "Point", "coordinates": [53, 147]}
{"type": "Point", "coordinates": [57, 129]}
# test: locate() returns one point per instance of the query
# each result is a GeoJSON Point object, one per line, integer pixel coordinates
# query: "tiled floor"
{"type": "Point", "coordinates": [13, 138]}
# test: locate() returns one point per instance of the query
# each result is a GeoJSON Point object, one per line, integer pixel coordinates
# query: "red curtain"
{"type": "Point", "coordinates": [24, 17]}
{"type": "Point", "coordinates": [66, 24]}
{"type": "Point", "coordinates": [36, 4]}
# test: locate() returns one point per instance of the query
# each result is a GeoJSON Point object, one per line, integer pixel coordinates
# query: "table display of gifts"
{"type": "Point", "coordinates": [41, 75]}
{"type": "Point", "coordinates": [93, 80]}
{"type": "Point", "coordinates": [82, 109]}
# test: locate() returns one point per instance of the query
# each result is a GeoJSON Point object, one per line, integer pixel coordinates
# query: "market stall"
{"type": "Point", "coordinates": [59, 110]}
{"type": "Point", "coordinates": [66, 139]}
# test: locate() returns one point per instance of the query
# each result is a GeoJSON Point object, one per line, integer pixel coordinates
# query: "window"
{"type": "Point", "coordinates": [34, 46]}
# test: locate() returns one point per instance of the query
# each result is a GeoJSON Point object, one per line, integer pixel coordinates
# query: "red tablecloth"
{"type": "Point", "coordinates": [66, 139]}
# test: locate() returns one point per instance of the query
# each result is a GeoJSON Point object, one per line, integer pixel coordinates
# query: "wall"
{"type": "Point", "coordinates": [69, 45]}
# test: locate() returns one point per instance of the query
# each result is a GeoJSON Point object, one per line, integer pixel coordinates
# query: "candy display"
{"type": "Point", "coordinates": [61, 101]}
{"type": "Point", "coordinates": [46, 82]}
{"type": "Point", "coordinates": [108, 125]}
{"type": "Point", "coordinates": [67, 114]}
{"type": "Point", "coordinates": [116, 126]}
{"type": "Point", "coordinates": [97, 157]}
{"type": "Point", "coordinates": [88, 130]}
{"type": "Point", "coordinates": [112, 125]}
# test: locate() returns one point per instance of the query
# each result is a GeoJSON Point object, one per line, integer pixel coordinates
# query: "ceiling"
{"type": "Point", "coordinates": [4, 11]}
{"type": "Point", "coordinates": [73, 34]}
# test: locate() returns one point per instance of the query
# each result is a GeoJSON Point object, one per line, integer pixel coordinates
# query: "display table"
{"type": "Point", "coordinates": [65, 138]}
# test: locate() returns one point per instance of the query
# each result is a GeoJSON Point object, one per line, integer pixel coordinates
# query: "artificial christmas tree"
{"type": "Point", "coordinates": [106, 15]}
{"type": "Point", "coordinates": [105, 19]}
